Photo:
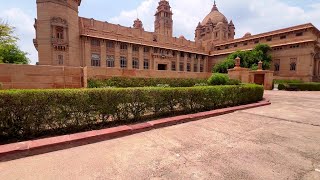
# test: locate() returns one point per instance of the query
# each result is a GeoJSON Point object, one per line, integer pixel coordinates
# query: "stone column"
{"type": "Point", "coordinates": [129, 60]}
{"type": "Point", "coordinates": [198, 64]}
{"type": "Point", "coordinates": [318, 68]}
{"type": "Point", "coordinates": [87, 52]}
{"type": "Point", "coordinates": [205, 64]}
{"type": "Point", "coordinates": [103, 51]}
{"type": "Point", "coordinates": [141, 56]}
{"type": "Point", "coordinates": [178, 61]}
{"type": "Point", "coordinates": [192, 62]}
{"type": "Point", "coordinates": [117, 55]}
{"type": "Point", "coordinates": [185, 61]}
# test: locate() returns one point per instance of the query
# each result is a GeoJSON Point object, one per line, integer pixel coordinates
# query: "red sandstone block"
{"type": "Point", "coordinates": [42, 143]}
{"type": "Point", "coordinates": [170, 121]}
{"type": "Point", "coordinates": [5, 79]}
{"type": "Point", "coordinates": [140, 127]}
{"type": "Point", "coordinates": [11, 148]}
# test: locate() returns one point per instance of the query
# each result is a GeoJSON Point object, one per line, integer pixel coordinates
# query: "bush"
{"type": "Point", "coordinates": [285, 81]}
{"type": "Point", "coordinates": [143, 82]}
{"type": "Point", "coordinates": [233, 82]}
{"type": "Point", "coordinates": [300, 87]}
{"type": "Point", "coordinates": [218, 79]}
{"type": "Point", "coordinates": [27, 114]}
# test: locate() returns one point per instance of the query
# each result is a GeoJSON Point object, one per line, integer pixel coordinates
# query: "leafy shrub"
{"type": "Point", "coordinates": [233, 82]}
{"type": "Point", "coordinates": [284, 81]}
{"type": "Point", "coordinates": [218, 79]}
{"type": "Point", "coordinates": [300, 87]}
{"type": "Point", "coordinates": [201, 84]}
{"type": "Point", "coordinates": [27, 114]}
{"type": "Point", "coordinates": [143, 82]}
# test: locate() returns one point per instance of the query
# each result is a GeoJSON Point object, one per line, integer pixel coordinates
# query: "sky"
{"type": "Point", "coordinates": [254, 16]}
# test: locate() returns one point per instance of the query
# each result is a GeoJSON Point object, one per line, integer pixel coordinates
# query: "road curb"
{"type": "Point", "coordinates": [41, 146]}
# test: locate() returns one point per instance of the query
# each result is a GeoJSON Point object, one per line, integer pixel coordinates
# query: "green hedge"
{"type": "Point", "coordinates": [286, 81]}
{"type": "Point", "coordinates": [300, 86]}
{"type": "Point", "coordinates": [27, 114]}
{"type": "Point", "coordinates": [123, 82]}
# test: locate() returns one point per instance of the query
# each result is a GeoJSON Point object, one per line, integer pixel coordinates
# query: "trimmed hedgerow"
{"type": "Point", "coordinates": [28, 114]}
{"type": "Point", "coordinates": [300, 87]}
{"type": "Point", "coordinates": [124, 82]}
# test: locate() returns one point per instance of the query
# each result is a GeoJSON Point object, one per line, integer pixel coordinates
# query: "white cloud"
{"type": "Point", "coordinates": [248, 15]}
{"type": "Point", "coordinates": [23, 24]}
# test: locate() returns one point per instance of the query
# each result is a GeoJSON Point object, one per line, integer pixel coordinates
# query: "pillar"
{"type": "Point", "coordinates": [103, 53]}
{"type": "Point", "coordinates": [117, 55]}
{"type": "Point", "coordinates": [192, 62]}
{"type": "Point", "coordinates": [198, 63]}
{"type": "Point", "coordinates": [87, 52]}
{"type": "Point", "coordinates": [129, 61]}
{"type": "Point", "coordinates": [185, 61]}
{"type": "Point", "coordinates": [178, 61]}
{"type": "Point", "coordinates": [205, 64]}
{"type": "Point", "coordinates": [141, 56]}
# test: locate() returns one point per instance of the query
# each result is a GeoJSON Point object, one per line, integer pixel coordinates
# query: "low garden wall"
{"type": "Point", "coordinates": [14, 76]}
{"type": "Point", "coordinates": [28, 114]}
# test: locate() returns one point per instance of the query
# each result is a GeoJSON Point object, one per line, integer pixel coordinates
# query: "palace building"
{"type": "Point", "coordinates": [65, 39]}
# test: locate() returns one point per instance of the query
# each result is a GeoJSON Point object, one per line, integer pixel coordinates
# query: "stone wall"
{"type": "Point", "coordinates": [40, 77]}
{"type": "Point", "coordinates": [104, 73]}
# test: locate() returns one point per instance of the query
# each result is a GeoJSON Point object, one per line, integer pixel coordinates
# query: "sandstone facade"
{"type": "Point", "coordinates": [65, 39]}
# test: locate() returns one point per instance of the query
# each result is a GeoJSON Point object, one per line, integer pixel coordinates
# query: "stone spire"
{"type": "Point", "coordinates": [163, 23]}
{"type": "Point", "coordinates": [214, 8]}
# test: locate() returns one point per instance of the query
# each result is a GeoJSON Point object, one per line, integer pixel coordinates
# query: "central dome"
{"type": "Point", "coordinates": [215, 17]}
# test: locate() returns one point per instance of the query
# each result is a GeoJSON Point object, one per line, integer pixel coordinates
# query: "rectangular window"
{"type": "Point", "coordinates": [276, 65]}
{"type": "Point", "coordinates": [146, 64]}
{"type": "Point", "coordinates": [181, 66]}
{"type": "Point", "coordinates": [123, 62]}
{"type": "Point", "coordinates": [283, 37]}
{"type": "Point", "coordinates": [256, 42]}
{"type": "Point", "coordinates": [110, 61]}
{"type": "Point", "coordinates": [181, 54]}
{"type": "Point", "coordinates": [188, 67]}
{"type": "Point", "coordinates": [195, 67]}
{"type": "Point", "coordinates": [146, 49]}
{"type": "Point", "coordinates": [227, 47]}
{"type": "Point", "coordinates": [60, 59]}
{"type": "Point", "coordinates": [299, 34]}
{"type": "Point", "coordinates": [95, 60]}
{"type": "Point", "coordinates": [95, 42]}
{"type": "Point", "coordinates": [201, 68]}
{"type": "Point", "coordinates": [135, 63]}
{"type": "Point", "coordinates": [245, 43]}
{"type": "Point", "coordinates": [135, 48]}
{"type": "Point", "coordinates": [123, 46]}
{"type": "Point", "coordinates": [236, 45]}
{"type": "Point", "coordinates": [269, 39]}
{"type": "Point", "coordinates": [110, 44]}
{"type": "Point", "coordinates": [173, 66]}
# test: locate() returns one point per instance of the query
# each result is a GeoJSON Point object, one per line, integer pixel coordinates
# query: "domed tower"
{"type": "Point", "coordinates": [57, 32]}
{"type": "Point", "coordinates": [214, 27]}
{"type": "Point", "coordinates": [138, 24]}
{"type": "Point", "coordinates": [163, 23]}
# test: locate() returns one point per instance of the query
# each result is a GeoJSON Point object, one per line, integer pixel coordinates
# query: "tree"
{"type": "Point", "coordinates": [11, 54]}
{"type": "Point", "coordinates": [249, 59]}
{"type": "Point", "coordinates": [9, 50]}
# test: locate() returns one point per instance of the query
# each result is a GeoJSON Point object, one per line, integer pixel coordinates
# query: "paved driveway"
{"type": "Point", "coordinates": [281, 141]}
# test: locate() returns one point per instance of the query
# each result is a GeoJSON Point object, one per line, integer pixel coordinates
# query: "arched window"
{"type": "Point", "coordinates": [293, 66]}
{"type": "Point", "coordinates": [276, 67]}
{"type": "Point", "coordinates": [60, 59]}
{"type": "Point", "coordinates": [59, 32]}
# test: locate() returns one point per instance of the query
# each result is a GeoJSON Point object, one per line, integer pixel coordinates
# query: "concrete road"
{"type": "Point", "coordinates": [281, 141]}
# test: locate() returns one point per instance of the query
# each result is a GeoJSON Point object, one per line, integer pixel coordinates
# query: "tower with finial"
{"type": "Point", "coordinates": [214, 28]}
{"type": "Point", "coordinates": [163, 23]}
{"type": "Point", "coordinates": [138, 24]}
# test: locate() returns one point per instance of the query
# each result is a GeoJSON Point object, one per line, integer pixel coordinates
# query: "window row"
{"type": "Point", "coordinates": [110, 62]}
{"type": "Point", "coordinates": [256, 41]}
{"type": "Point", "coordinates": [292, 65]}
